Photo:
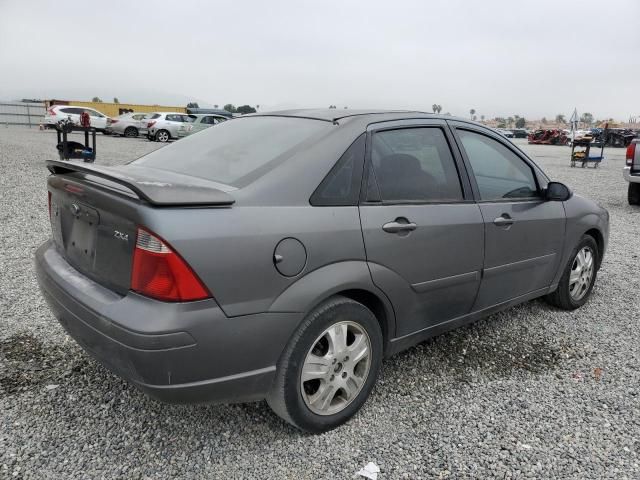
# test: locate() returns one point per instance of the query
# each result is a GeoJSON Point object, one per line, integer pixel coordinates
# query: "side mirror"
{"type": "Point", "coordinates": [557, 191]}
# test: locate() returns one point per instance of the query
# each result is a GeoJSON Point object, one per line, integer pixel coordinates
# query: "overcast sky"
{"type": "Point", "coordinates": [501, 57]}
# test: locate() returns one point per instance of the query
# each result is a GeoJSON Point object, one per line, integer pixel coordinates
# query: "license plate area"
{"type": "Point", "coordinates": [77, 233]}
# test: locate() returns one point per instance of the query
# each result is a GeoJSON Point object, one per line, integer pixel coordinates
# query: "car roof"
{"type": "Point", "coordinates": [76, 106]}
{"type": "Point", "coordinates": [335, 115]}
{"type": "Point", "coordinates": [199, 115]}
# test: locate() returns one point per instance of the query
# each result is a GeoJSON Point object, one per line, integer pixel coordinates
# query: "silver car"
{"type": "Point", "coordinates": [283, 256]}
{"type": "Point", "coordinates": [165, 126]}
{"type": "Point", "coordinates": [203, 121]}
{"type": "Point", "coordinates": [128, 124]}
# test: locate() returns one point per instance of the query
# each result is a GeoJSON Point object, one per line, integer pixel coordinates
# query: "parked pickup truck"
{"type": "Point", "coordinates": [631, 172]}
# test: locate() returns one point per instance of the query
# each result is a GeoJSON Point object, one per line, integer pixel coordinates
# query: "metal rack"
{"type": "Point", "coordinates": [74, 150]}
{"type": "Point", "coordinates": [582, 154]}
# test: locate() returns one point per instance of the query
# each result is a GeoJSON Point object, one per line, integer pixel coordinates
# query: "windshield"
{"type": "Point", "coordinates": [237, 152]}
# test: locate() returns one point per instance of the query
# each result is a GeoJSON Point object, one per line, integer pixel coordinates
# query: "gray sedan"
{"type": "Point", "coordinates": [282, 256]}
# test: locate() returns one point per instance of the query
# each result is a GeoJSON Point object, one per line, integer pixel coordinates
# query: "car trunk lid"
{"type": "Point", "coordinates": [96, 211]}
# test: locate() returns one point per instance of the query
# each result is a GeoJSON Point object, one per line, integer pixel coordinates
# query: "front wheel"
{"type": "Point", "coordinates": [329, 367]}
{"type": "Point", "coordinates": [163, 136]}
{"type": "Point", "coordinates": [579, 276]}
{"type": "Point", "coordinates": [633, 194]}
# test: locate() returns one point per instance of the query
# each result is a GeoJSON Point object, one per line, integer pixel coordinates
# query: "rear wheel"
{"type": "Point", "coordinates": [633, 194]}
{"type": "Point", "coordinates": [163, 136]}
{"type": "Point", "coordinates": [329, 367]}
{"type": "Point", "coordinates": [131, 132]}
{"type": "Point", "coordinates": [579, 276]}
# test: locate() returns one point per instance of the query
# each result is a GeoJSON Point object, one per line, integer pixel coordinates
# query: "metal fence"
{"type": "Point", "coordinates": [21, 113]}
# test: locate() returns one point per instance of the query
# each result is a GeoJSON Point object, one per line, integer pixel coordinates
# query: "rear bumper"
{"type": "Point", "coordinates": [175, 352]}
{"type": "Point", "coordinates": [626, 173]}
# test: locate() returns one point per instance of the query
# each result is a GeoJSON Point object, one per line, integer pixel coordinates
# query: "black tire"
{"type": "Point", "coordinates": [285, 397]}
{"type": "Point", "coordinates": [633, 194]}
{"type": "Point", "coordinates": [131, 132]}
{"type": "Point", "coordinates": [561, 297]}
{"type": "Point", "coordinates": [163, 136]}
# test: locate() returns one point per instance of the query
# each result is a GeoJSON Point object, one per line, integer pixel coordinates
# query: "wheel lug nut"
{"type": "Point", "coordinates": [346, 358]}
{"type": "Point", "coordinates": [344, 374]}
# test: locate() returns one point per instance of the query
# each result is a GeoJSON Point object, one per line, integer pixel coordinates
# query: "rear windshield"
{"type": "Point", "coordinates": [237, 152]}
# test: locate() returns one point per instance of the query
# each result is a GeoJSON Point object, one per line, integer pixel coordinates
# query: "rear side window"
{"type": "Point", "coordinates": [341, 187]}
{"type": "Point", "coordinates": [238, 151]}
{"type": "Point", "coordinates": [154, 116]}
{"type": "Point", "coordinates": [174, 118]}
{"type": "Point", "coordinates": [499, 173]}
{"type": "Point", "coordinates": [415, 164]}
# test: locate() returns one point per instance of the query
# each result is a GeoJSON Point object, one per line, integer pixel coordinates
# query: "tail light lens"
{"type": "Point", "coordinates": [151, 124]}
{"type": "Point", "coordinates": [159, 272]}
{"type": "Point", "coordinates": [111, 121]}
{"type": "Point", "coordinates": [51, 112]}
{"type": "Point", "coordinates": [49, 199]}
{"type": "Point", "coordinates": [631, 152]}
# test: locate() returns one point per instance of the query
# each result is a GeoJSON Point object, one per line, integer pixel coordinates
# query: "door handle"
{"type": "Point", "coordinates": [503, 220]}
{"type": "Point", "coordinates": [399, 225]}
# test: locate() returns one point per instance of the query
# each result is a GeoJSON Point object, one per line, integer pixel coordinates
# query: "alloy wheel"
{"type": "Point", "coordinates": [336, 368]}
{"type": "Point", "coordinates": [581, 274]}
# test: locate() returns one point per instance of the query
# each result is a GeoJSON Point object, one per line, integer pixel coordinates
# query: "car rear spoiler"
{"type": "Point", "coordinates": [157, 187]}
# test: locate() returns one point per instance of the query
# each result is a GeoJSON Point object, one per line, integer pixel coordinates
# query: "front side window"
{"type": "Point", "coordinates": [93, 113]}
{"type": "Point", "coordinates": [415, 164]}
{"type": "Point", "coordinates": [499, 173]}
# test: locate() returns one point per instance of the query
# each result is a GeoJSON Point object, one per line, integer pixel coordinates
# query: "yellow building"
{"type": "Point", "coordinates": [115, 109]}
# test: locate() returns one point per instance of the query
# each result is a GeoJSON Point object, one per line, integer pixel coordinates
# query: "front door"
{"type": "Point", "coordinates": [423, 234]}
{"type": "Point", "coordinates": [524, 234]}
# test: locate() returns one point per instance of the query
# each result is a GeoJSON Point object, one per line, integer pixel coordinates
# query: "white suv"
{"type": "Point", "coordinates": [165, 126]}
{"type": "Point", "coordinates": [56, 113]}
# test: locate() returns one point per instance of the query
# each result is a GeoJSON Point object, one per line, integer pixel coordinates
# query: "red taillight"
{"type": "Point", "coordinates": [51, 112]}
{"type": "Point", "coordinates": [151, 124]}
{"type": "Point", "coordinates": [49, 198]}
{"type": "Point", "coordinates": [631, 152]}
{"type": "Point", "coordinates": [159, 272]}
{"type": "Point", "coordinates": [112, 120]}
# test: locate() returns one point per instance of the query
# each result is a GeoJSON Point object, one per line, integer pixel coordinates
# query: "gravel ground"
{"type": "Point", "coordinates": [532, 392]}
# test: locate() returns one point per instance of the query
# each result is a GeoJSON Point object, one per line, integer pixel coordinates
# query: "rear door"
{"type": "Point", "coordinates": [524, 234]}
{"type": "Point", "coordinates": [423, 232]}
{"type": "Point", "coordinates": [72, 113]}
